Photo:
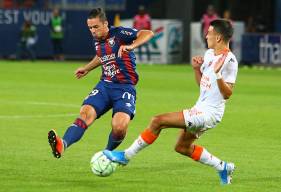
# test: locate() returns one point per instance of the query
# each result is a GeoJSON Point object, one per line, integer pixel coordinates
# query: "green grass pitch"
{"type": "Point", "coordinates": [36, 97]}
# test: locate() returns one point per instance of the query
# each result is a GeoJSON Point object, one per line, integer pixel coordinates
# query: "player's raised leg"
{"type": "Point", "coordinates": [198, 153]}
{"type": "Point", "coordinates": [123, 109]}
{"type": "Point", "coordinates": [120, 122]}
{"type": "Point", "coordinates": [74, 133]}
{"type": "Point", "coordinates": [148, 136]}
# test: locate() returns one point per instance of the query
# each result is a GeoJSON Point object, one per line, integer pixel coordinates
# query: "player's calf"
{"type": "Point", "coordinates": [115, 139]}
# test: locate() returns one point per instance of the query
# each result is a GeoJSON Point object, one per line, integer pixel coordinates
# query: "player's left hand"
{"type": "Point", "coordinates": [219, 63]}
{"type": "Point", "coordinates": [124, 48]}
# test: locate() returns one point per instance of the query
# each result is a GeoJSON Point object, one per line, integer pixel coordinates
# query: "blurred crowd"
{"type": "Point", "coordinates": [28, 38]}
{"type": "Point", "coordinates": [252, 23]}
{"type": "Point", "coordinates": [12, 4]}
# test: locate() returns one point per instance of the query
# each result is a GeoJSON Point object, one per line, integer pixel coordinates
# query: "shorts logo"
{"type": "Point", "coordinates": [129, 96]}
{"type": "Point", "coordinates": [128, 104]}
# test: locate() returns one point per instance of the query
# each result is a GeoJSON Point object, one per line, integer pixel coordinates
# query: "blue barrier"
{"type": "Point", "coordinates": [261, 48]}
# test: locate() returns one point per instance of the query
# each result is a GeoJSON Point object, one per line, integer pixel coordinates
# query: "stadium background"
{"type": "Point", "coordinates": [40, 95]}
{"type": "Point", "coordinates": [77, 41]}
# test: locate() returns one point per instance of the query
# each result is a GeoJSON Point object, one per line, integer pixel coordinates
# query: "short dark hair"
{"type": "Point", "coordinates": [97, 12]}
{"type": "Point", "coordinates": [224, 28]}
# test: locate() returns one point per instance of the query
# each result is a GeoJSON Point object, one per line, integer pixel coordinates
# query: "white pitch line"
{"type": "Point", "coordinates": [38, 116]}
{"type": "Point", "coordinates": [40, 103]}
{"type": "Point", "coordinates": [35, 116]}
{"type": "Point", "coordinates": [53, 104]}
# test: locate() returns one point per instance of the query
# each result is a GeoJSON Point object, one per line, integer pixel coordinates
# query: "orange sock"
{"type": "Point", "coordinates": [196, 154]}
{"type": "Point", "coordinates": [148, 136]}
{"type": "Point", "coordinates": [203, 156]}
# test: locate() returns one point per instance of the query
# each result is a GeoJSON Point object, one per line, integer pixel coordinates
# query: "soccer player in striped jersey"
{"type": "Point", "coordinates": [215, 73]}
{"type": "Point", "coordinates": [116, 89]}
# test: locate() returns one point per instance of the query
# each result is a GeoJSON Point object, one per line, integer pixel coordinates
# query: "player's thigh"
{"type": "Point", "coordinates": [99, 99]}
{"type": "Point", "coordinates": [124, 101]}
{"type": "Point", "coordinates": [170, 120]}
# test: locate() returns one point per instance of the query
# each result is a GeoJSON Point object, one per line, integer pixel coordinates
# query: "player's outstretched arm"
{"type": "Point", "coordinates": [197, 61]}
{"type": "Point", "coordinates": [142, 37]}
{"type": "Point", "coordinates": [83, 71]}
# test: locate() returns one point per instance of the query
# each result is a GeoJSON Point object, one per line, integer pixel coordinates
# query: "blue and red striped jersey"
{"type": "Point", "coordinates": [114, 69]}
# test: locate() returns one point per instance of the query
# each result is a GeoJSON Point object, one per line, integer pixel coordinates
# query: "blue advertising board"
{"type": "Point", "coordinates": [261, 48]}
{"type": "Point", "coordinates": [77, 39]}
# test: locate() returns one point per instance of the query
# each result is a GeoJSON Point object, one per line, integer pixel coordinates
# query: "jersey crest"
{"type": "Point", "coordinates": [111, 41]}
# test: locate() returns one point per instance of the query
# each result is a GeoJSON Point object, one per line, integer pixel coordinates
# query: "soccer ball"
{"type": "Point", "coordinates": [101, 165]}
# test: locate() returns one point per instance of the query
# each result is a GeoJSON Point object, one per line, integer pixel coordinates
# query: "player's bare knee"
{"type": "Point", "coordinates": [155, 123]}
{"type": "Point", "coordinates": [87, 113]}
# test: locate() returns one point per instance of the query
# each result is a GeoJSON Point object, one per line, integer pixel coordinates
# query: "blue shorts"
{"type": "Point", "coordinates": [107, 95]}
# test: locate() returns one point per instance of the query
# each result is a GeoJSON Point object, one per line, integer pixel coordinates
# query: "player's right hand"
{"type": "Point", "coordinates": [81, 72]}
{"type": "Point", "coordinates": [197, 61]}
{"type": "Point", "coordinates": [124, 48]}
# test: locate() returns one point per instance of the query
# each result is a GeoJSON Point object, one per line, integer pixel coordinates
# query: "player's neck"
{"type": "Point", "coordinates": [105, 34]}
{"type": "Point", "coordinates": [221, 48]}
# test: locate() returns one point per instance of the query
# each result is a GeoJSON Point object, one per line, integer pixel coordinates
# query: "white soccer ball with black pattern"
{"type": "Point", "coordinates": [101, 165]}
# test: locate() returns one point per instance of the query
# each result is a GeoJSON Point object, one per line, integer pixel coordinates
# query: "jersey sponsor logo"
{"type": "Point", "coordinates": [205, 83]}
{"type": "Point", "coordinates": [126, 32]}
{"type": "Point", "coordinates": [110, 70]}
{"type": "Point", "coordinates": [107, 57]}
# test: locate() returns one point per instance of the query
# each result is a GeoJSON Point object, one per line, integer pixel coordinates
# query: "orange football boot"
{"type": "Point", "coordinates": [56, 143]}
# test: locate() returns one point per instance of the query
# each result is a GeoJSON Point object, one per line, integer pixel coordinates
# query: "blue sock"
{"type": "Point", "coordinates": [74, 132]}
{"type": "Point", "coordinates": [114, 141]}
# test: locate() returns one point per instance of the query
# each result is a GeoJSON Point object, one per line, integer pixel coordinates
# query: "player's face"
{"type": "Point", "coordinates": [97, 27]}
{"type": "Point", "coordinates": [212, 37]}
